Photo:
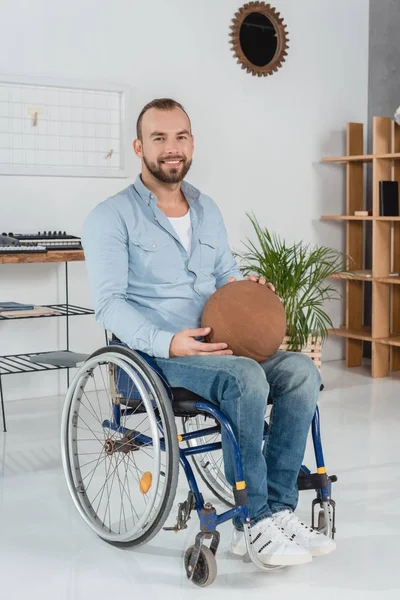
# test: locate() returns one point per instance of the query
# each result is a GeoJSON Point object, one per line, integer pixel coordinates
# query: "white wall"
{"type": "Point", "coordinates": [258, 141]}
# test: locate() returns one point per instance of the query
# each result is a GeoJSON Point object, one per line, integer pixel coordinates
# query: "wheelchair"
{"type": "Point", "coordinates": [121, 453]}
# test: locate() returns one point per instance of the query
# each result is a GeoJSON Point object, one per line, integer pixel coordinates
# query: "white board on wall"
{"type": "Point", "coordinates": [61, 129]}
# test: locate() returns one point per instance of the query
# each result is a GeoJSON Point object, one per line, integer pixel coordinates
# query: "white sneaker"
{"type": "Point", "coordinates": [317, 543]}
{"type": "Point", "coordinates": [271, 545]}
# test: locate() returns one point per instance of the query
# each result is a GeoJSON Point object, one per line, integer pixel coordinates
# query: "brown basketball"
{"type": "Point", "coordinates": [248, 317]}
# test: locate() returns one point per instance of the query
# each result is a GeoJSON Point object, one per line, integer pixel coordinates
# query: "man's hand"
{"type": "Point", "coordinates": [184, 344]}
{"type": "Point", "coordinates": [256, 279]}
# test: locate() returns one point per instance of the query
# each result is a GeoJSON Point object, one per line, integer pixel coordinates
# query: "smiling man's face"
{"type": "Point", "coordinates": [166, 144]}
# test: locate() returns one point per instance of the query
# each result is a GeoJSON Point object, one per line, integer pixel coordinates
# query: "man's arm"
{"type": "Point", "coordinates": [105, 242]}
{"type": "Point", "coordinates": [225, 264]}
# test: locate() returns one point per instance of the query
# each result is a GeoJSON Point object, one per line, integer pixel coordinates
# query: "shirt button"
{"type": "Point", "coordinates": [154, 246]}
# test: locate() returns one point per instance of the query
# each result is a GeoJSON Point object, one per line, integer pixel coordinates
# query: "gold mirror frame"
{"type": "Point", "coordinates": [282, 40]}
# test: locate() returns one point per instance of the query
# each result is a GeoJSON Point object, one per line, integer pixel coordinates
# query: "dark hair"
{"type": "Point", "coordinates": [161, 104]}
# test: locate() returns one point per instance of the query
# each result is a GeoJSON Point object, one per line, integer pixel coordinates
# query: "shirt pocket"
{"type": "Point", "coordinates": [154, 260]}
{"type": "Point", "coordinates": [208, 252]}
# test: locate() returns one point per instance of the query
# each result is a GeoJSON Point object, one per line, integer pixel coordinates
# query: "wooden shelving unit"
{"type": "Point", "coordinates": [384, 333]}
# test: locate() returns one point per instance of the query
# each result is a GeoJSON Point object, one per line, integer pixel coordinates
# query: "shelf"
{"type": "Point", "coordinates": [66, 311]}
{"type": "Point", "coordinates": [365, 335]}
{"type": "Point", "coordinates": [359, 276]}
{"type": "Point", "coordinates": [363, 276]}
{"type": "Point", "coordinates": [391, 156]}
{"type": "Point", "coordinates": [20, 363]}
{"type": "Point", "coordinates": [356, 334]}
{"type": "Point", "coordinates": [393, 340]}
{"type": "Point", "coordinates": [345, 218]}
{"type": "Point", "coordinates": [356, 218]}
{"type": "Point", "coordinates": [43, 257]}
{"type": "Point", "coordinates": [360, 157]}
{"type": "Point", "coordinates": [393, 280]}
{"type": "Point", "coordinates": [346, 159]}
{"type": "Point", "coordinates": [386, 218]}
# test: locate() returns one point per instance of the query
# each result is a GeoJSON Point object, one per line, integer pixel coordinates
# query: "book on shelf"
{"type": "Point", "coordinates": [363, 213]}
{"type": "Point", "coordinates": [14, 306]}
{"type": "Point", "coordinates": [35, 311]}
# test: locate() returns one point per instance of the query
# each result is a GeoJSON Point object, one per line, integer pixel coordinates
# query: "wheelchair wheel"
{"type": "Point", "coordinates": [209, 465]}
{"type": "Point", "coordinates": [326, 520]}
{"type": "Point", "coordinates": [205, 571]}
{"type": "Point", "coordinates": [119, 447]}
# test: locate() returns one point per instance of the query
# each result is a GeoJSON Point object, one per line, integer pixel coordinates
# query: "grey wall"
{"type": "Point", "coordinates": [384, 58]}
{"type": "Point", "coordinates": [383, 90]}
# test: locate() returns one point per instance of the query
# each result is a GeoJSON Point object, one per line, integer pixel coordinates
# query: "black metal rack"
{"type": "Point", "coordinates": [13, 364]}
{"type": "Point", "coordinates": [20, 363]}
{"type": "Point", "coordinates": [65, 309]}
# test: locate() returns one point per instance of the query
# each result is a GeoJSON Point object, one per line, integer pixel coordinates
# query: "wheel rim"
{"type": "Point", "coordinates": [116, 482]}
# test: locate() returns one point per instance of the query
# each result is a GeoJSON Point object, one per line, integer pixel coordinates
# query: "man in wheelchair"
{"type": "Point", "coordinates": [155, 253]}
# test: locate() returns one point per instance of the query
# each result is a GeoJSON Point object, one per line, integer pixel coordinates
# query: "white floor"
{"type": "Point", "coordinates": [46, 551]}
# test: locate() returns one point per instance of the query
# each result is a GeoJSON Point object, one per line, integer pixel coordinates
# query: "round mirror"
{"type": "Point", "coordinates": [259, 39]}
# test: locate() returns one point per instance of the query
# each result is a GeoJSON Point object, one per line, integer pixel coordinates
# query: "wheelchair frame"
{"type": "Point", "coordinates": [208, 517]}
{"type": "Point", "coordinates": [200, 558]}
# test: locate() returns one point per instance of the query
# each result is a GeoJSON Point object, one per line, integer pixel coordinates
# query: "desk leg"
{"type": "Point", "coordinates": [67, 317]}
{"type": "Point", "coordinates": [2, 406]}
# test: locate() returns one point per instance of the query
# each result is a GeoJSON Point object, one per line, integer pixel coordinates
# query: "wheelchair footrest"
{"type": "Point", "coordinates": [184, 511]}
{"type": "Point", "coordinates": [314, 481]}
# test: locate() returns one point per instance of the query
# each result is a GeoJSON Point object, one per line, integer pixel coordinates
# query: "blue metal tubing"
{"type": "Point", "coordinates": [316, 434]}
{"type": "Point", "coordinates": [201, 407]}
{"type": "Point", "coordinates": [305, 470]}
{"type": "Point", "coordinates": [191, 480]}
{"type": "Point", "coordinates": [324, 493]}
{"type": "Point", "coordinates": [140, 437]}
{"type": "Point", "coordinates": [202, 448]}
{"type": "Point", "coordinates": [237, 511]}
{"type": "Point", "coordinates": [227, 427]}
{"type": "Point", "coordinates": [129, 411]}
{"type": "Point", "coordinates": [117, 414]}
{"type": "Point", "coordinates": [199, 433]}
{"type": "Point", "coordinates": [145, 439]}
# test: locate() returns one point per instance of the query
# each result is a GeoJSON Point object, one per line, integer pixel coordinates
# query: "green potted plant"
{"type": "Point", "coordinates": [300, 275]}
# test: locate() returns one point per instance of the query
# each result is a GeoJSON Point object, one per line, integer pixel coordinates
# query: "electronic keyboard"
{"type": "Point", "coordinates": [50, 240]}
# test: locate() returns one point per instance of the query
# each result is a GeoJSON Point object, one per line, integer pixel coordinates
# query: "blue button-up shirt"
{"type": "Point", "coordinates": [145, 285]}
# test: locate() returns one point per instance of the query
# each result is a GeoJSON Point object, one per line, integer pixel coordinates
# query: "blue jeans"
{"type": "Point", "coordinates": [240, 387]}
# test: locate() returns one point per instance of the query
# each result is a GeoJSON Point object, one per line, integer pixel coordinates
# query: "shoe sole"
{"type": "Point", "coordinates": [323, 550]}
{"type": "Point", "coordinates": [277, 561]}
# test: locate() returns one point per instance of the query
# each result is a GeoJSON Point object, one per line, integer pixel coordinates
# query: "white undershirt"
{"type": "Point", "coordinates": [183, 227]}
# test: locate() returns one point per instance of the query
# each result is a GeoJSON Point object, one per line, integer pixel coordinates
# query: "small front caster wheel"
{"type": "Point", "coordinates": [205, 570]}
{"type": "Point", "coordinates": [326, 522]}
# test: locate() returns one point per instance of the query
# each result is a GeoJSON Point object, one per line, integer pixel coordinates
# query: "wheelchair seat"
{"type": "Point", "coordinates": [184, 402]}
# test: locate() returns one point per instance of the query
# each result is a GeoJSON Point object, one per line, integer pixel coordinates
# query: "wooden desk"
{"type": "Point", "coordinates": [42, 257]}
